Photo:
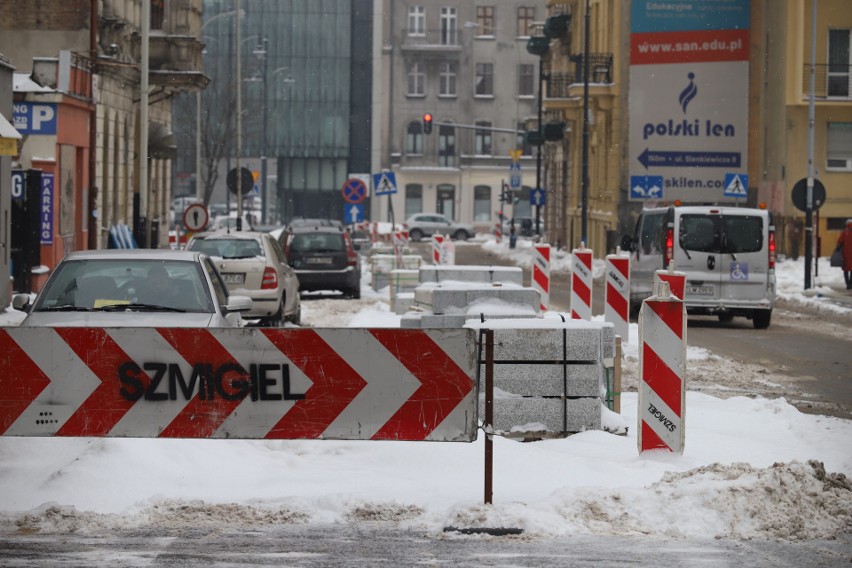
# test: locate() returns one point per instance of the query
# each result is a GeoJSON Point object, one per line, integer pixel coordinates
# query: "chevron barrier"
{"type": "Point", "coordinates": [251, 383]}
{"type": "Point", "coordinates": [662, 371]}
{"type": "Point", "coordinates": [541, 274]}
{"type": "Point", "coordinates": [581, 283]}
{"type": "Point", "coordinates": [617, 293]}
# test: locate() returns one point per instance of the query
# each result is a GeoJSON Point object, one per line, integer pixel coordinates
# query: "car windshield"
{"type": "Point", "coordinates": [317, 242]}
{"type": "Point", "coordinates": [126, 284]}
{"type": "Point", "coordinates": [228, 248]}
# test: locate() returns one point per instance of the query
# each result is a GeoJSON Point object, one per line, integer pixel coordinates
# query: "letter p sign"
{"type": "Point", "coordinates": [42, 114]}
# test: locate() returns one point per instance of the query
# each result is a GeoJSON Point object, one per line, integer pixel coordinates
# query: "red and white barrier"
{"type": "Point", "coordinates": [662, 371]}
{"type": "Point", "coordinates": [617, 294]}
{"type": "Point", "coordinates": [676, 280]}
{"type": "Point", "coordinates": [438, 256]}
{"type": "Point", "coordinates": [541, 274]}
{"type": "Point", "coordinates": [498, 231]}
{"type": "Point", "coordinates": [252, 383]}
{"type": "Point", "coordinates": [581, 283]}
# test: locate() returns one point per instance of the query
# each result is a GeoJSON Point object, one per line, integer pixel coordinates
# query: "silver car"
{"type": "Point", "coordinates": [139, 288]}
{"type": "Point", "coordinates": [252, 264]}
{"type": "Point", "coordinates": [422, 225]}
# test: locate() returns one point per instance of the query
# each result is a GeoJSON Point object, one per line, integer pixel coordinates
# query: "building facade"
{"type": "Point", "coordinates": [467, 65]}
{"type": "Point", "coordinates": [102, 38]}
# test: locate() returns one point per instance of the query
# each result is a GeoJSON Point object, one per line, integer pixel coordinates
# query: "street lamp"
{"type": "Point", "coordinates": [260, 52]}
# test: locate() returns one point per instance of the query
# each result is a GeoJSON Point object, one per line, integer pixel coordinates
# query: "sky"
{"type": "Point", "coordinates": [752, 468]}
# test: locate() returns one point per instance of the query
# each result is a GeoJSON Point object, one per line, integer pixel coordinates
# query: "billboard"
{"type": "Point", "coordinates": [688, 98]}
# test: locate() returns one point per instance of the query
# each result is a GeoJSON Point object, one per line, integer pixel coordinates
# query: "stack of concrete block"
{"type": "Point", "coordinates": [381, 266]}
{"type": "Point", "coordinates": [402, 285]}
{"type": "Point", "coordinates": [549, 375]}
{"type": "Point", "coordinates": [464, 273]}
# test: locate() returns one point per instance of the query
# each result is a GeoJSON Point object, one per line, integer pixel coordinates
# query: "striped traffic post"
{"type": "Point", "coordinates": [617, 293]}
{"type": "Point", "coordinates": [662, 371]}
{"type": "Point", "coordinates": [438, 256]}
{"type": "Point", "coordinates": [498, 232]}
{"type": "Point", "coordinates": [581, 283]}
{"type": "Point", "coordinates": [676, 280]}
{"type": "Point", "coordinates": [541, 274]}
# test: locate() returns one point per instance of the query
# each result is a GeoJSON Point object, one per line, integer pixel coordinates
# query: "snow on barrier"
{"type": "Point", "coordinates": [581, 283]}
{"type": "Point", "coordinates": [662, 371]}
{"type": "Point", "coordinates": [343, 384]}
{"type": "Point", "coordinates": [617, 293]}
{"type": "Point", "coordinates": [676, 280]}
{"type": "Point", "coordinates": [541, 274]}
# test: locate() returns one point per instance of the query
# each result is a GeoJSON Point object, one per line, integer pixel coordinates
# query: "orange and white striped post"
{"type": "Point", "coordinates": [676, 280]}
{"type": "Point", "coordinates": [617, 293]}
{"type": "Point", "coordinates": [662, 371]}
{"type": "Point", "coordinates": [581, 283]}
{"type": "Point", "coordinates": [498, 231]}
{"type": "Point", "coordinates": [541, 274]}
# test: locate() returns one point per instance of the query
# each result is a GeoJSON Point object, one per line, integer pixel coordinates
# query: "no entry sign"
{"type": "Point", "coordinates": [345, 384]}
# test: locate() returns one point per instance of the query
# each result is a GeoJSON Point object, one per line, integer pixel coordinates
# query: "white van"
{"type": "Point", "coordinates": [727, 253]}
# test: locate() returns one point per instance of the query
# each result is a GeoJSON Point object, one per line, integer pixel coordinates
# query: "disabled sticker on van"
{"type": "Point", "coordinates": [739, 271]}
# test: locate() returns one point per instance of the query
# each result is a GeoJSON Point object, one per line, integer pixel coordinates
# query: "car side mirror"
{"type": "Point", "coordinates": [21, 302]}
{"type": "Point", "coordinates": [626, 243]}
{"type": "Point", "coordinates": [238, 304]}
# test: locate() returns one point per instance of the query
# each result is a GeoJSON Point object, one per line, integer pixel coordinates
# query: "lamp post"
{"type": "Point", "coordinates": [584, 194]}
{"type": "Point", "coordinates": [261, 53]}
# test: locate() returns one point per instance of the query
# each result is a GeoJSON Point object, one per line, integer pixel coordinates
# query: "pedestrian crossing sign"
{"type": "Point", "coordinates": [384, 183]}
{"type": "Point", "coordinates": [736, 185]}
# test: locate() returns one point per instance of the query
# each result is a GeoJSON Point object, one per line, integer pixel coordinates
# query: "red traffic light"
{"type": "Point", "coordinates": [427, 123]}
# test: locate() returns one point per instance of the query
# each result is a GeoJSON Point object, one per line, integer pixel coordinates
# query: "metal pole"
{"type": "Point", "coordinates": [239, 81]}
{"type": "Point", "coordinates": [584, 198]}
{"type": "Point", "coordinates": [264, 115]}
{"type": "Point", "coordinates": [143, 124]}
{"type": "Point", "coordinates": [541, 134]}
{"type": "Point", "coordinates": [489, 415]}
{"type": "Point", "coordinates": [199, 187]}
{"type": "Point", "coordinates": [809, 196]}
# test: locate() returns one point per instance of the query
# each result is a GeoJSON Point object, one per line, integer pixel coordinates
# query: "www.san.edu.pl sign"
{"type": "Point", "coordinates": [688, 98]}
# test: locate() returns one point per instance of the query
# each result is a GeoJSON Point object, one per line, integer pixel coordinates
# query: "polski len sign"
{"type": "Point", "coordinates": [688, 98]}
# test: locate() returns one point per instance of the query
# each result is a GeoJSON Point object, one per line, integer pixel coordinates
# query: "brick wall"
{"type": "Point", "coordinates": [44, 14]}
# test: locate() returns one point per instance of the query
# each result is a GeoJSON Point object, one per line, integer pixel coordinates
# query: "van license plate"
{"type": "Point", "coordinates": [700, 290]}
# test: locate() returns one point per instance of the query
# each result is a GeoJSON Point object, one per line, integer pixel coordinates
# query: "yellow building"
{"type": "Point", "coordinates": [778, 133]}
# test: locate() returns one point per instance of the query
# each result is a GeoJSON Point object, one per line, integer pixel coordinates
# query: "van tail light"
{"type": "Point", "coordinates": [270, 279]}
{"type": "Point", "coordinates": [771, 249]}
{"type": "Point", "coordinates": [669, 248]}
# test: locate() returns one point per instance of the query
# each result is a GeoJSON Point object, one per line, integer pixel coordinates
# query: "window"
{"type": "Point", "coordinates": [446, 146]}
{"type": "Point", "coordinates": [158, 14]}
{"type": "Point", "coordinates": [526, 80]}
{"type": "Point", "coordinates": [449, 30]}
{"type": "Point", "coordinates": [448, 80]}
{"type": "Point", "coordinates": [526, 15]}
{"type": "Point", "coordinates": [521, 140]}
{"type": "Point", "coordinates": [484, 80]}
{"type": "Point", "coordinates": [839, 63]}
{"type": "Point", "coordinates": [416, 80]}
{"type": "Point", "coordinates": [839, 146]}
{"type": "Point", "coordinates": [485, 20]}
{"type": "Point", "coordinates": [446, 201]}
{"type": "Point", "coordinates": [483, 139]}
{"type": "Point", "coordinates": [413, 199]}
{"type": "Point", "coordinates": [416, 21]}
{"type": "Point", "coordinates": [414, 139]}
{"type": "Point", "coordinates": [482, 203]}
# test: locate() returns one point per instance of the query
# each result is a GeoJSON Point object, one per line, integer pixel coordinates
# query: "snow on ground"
{"type": "Point", "coordinates": [753, 468]}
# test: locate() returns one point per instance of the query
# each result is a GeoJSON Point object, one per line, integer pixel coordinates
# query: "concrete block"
{"type": "Point", "coordinates": [410, 320]}
{"type": "Point", "coordinates": [547, 380]}
{"type": "Point", "coordinates": [465, 273]}
{"type": "Point", "coordinates": [402, 303]}
{"type": "Point", "coordinates": [443, 321]}
{"type": "Point", "coordinates": [520, 415]}
{"type": "Point", "coordinates": [446, 300]}
{"type": "Point", "coordinates": [546, 344]}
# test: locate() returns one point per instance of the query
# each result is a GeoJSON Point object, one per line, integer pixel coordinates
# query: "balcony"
{"type": "Point", "coordinates": [830, 82]}
{"type": "Point", "coordinates": [600, 72]}
{"type": "Point", "coordinates": [440, 41]}
{"type": "Point", "coordinates": [175, 62]}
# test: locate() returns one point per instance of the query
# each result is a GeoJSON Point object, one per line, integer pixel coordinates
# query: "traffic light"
{"type": "Point", "coordinates": [427, 123]}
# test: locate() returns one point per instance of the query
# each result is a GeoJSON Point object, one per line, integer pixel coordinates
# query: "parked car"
{"type": "Point", "coordinates": [727, 253]}
{"type": "Point", "coordinates": [422, 225]}
{"type": "Point", "coordinates": [324, 259]}
{"type": "Point", "coordinates": [134, 288]}
{"type": "Point", "coordinates": [524, 226]}
{"type": "Point", "coordinates": [253, 264]}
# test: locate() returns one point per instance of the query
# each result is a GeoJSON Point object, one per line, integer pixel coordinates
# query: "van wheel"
{"type": "Point", "coordinates": [761, 318]}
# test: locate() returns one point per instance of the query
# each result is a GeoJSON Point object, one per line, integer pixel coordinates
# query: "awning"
{"type": "Point", "coordinates": [8, 138]}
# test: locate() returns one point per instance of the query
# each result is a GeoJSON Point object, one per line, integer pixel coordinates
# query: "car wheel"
{"type": "Point", "coordinates": [461, 235]}
{"type": "Point", "coordinates": [277, 319]}
{"type": "Point", "coordinates": [355, 293]}
{"type": "Point", "coordinates": [296, 318]}
{"type": "Point", "coordinates": [761, 318]}
{"type": "Point", "coordinates": [415, 234]}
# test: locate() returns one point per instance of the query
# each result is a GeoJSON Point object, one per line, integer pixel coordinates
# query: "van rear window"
{"type": "Point", "coordinates": [721, 233]}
